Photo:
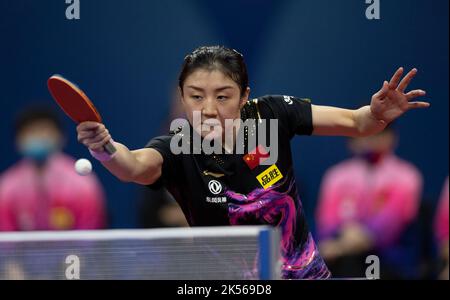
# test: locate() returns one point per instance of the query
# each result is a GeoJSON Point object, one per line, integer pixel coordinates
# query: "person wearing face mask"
{"type": "Point", "coordinates": [42, 191]}
{"type": "Point", "coordinates": [366, 205]}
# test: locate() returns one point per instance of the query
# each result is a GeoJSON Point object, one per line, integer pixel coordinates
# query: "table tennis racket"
{"type": "Point", "coordinates": [74, 102]}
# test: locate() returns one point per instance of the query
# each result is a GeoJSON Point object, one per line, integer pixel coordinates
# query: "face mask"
{"type": "Point", "coordinates": [38, 149]}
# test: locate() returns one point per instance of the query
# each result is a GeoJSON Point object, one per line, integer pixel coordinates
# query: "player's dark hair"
{"type": "Point", "coordinates": [36, 113]}
{"type": "Point", "coordinates": [226, 60]}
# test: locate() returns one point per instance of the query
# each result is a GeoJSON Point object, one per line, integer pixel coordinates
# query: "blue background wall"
{"type": "Point", "coordinates": [126, 55]}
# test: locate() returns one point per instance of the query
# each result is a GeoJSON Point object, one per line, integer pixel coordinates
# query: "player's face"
{"type": "Point", "coordinates": [215, 97]}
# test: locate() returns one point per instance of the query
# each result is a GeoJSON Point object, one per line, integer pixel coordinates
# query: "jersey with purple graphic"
{"type": "Point", "coordinates": [239, 189]}
{"type": "Point", "coordinates": [300, 260]}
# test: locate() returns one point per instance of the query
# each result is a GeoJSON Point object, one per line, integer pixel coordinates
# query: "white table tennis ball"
{"type": "Point", "coordinates": [83, 167]}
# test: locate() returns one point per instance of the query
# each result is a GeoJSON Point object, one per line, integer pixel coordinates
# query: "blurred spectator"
{"type": "Point", "coordinates": [157, 208]}
{"type": "Point", "coordinates": [368, 205]}
{"type": "Point", "coordinates": [441, 231]}
{"type": "Point", "coordinates": [43, 191]}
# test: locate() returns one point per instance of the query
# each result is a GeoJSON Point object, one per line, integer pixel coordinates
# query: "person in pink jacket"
{"type": "Point", "coordinates": [43, 191]}
{"type": "Point", "coordinates": [366, 204]}
{"type": "Point", "coordinates": [441, 230]}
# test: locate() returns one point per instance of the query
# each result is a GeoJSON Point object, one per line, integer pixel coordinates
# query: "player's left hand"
{"type": "Point", "coordinates": [391, 101]}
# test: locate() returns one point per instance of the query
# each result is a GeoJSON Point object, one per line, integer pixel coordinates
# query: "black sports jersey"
{"type": "Point", "coordinates": [231, 189]}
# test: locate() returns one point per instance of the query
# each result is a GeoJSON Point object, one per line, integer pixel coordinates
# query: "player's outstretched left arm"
{"type": "Point", "coordinates": [388, 104]}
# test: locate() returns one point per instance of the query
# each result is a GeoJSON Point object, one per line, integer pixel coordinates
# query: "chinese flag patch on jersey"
{"type": "Point", "coordinates": [256, 157]}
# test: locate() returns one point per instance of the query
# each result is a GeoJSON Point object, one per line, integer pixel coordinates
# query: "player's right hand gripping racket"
{"type": "Point", "coordinates": [75, 103]}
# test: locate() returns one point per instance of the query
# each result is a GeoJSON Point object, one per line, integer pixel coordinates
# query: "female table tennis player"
{"type": "Point", "coordinates": [237, 189]}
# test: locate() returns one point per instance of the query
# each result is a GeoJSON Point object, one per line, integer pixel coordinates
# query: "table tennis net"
{"type": "Point", "coordinates": [217, 253]}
